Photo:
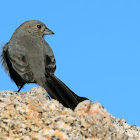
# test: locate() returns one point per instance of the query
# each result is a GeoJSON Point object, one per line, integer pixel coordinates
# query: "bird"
{"type": "Point", "coordinates": [28, 58]}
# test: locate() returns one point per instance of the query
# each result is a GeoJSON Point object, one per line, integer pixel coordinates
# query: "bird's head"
{"type": "Point", "coordinates": [36, 28]}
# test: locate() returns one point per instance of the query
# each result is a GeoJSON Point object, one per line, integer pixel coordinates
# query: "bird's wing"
{"type": "Point", "coordinates": [17, 57]}
{"type": "Point", "coordinates": [50, 63]}
{"type": "Point", "coordinates": [3, 57]}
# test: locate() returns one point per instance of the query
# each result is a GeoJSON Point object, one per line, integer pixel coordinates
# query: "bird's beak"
{"type": "Point", "coordinates": [48, 32]}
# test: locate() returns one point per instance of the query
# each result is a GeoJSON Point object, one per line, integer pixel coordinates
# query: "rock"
{"type": "Point", "coordinates": [31, 115]}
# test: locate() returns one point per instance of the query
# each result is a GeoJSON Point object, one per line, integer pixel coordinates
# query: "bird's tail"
{"type": "Point", "coordinates": [59, 91]}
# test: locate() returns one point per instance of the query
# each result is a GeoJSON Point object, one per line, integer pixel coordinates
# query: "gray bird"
{"type": "Point", "coordinates": [28, 58]}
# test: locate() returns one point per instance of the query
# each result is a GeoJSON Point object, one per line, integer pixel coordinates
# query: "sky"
{"type": "Point", "coordinates": [96, 46]}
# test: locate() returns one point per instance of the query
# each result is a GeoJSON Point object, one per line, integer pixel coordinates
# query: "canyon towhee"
{"type": "Point", "coordinates": [28, 58]}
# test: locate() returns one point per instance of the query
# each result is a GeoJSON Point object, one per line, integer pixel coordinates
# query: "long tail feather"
{"type": "Point", "coordinates": [59, 91]}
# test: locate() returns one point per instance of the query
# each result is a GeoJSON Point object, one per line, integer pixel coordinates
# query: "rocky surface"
{"type": "Point", "coordinates": [31, 115]}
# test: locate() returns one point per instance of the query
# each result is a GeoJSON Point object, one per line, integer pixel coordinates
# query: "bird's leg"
{"type": "Point", "coordinates": [49, 97]}
{"type": "Point", "coordinates": [20, 88]}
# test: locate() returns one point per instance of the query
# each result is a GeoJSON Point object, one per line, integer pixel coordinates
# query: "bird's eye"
{"type": "Point", "coordinates": [38, 26]}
